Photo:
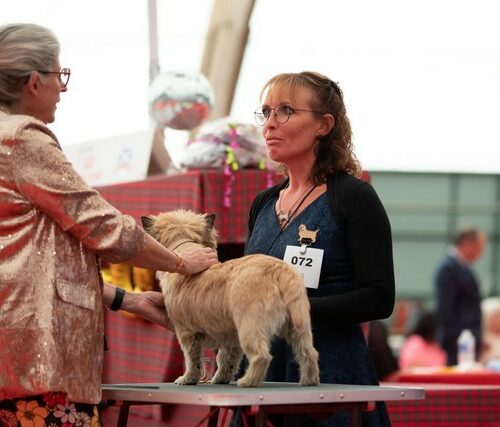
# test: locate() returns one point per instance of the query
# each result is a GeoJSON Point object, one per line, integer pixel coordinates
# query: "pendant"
{"type": "Point", "coordinates": [283, 216]}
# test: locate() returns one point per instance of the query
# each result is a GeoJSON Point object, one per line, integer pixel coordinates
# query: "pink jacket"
{"type": "Point", "coordinates": [52, 226]}
{"type": "Point", "coordinates": [416, 352]}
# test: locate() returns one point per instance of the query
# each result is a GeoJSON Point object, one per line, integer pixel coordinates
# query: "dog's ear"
{"type": "Point", "coordinates": [210, 220]}
{"type": "Point", "coordinates": [147, 223]}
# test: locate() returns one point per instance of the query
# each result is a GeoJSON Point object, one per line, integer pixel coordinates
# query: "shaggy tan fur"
{"type": "Point", "coordinates": [236, 306]}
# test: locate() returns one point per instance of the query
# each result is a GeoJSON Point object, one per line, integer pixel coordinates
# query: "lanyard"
{"type": "Point", "coordinates": [289, 219]}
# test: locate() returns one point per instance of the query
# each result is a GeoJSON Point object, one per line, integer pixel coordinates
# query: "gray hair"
{"type": "Point", "coordinates": [24, 48]}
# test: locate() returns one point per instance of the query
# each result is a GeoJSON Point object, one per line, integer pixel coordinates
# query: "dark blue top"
{"type": "Point", "coordinates": [360, 216]}
{"type": "Point", "coordinates": [343, 354]}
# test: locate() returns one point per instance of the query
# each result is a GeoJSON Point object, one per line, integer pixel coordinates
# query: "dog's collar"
{"type": "Point", "coordinates": [181, 243]}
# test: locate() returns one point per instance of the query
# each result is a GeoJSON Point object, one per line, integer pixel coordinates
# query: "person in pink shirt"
{"type": "Point", "coordinates": [421, 348]}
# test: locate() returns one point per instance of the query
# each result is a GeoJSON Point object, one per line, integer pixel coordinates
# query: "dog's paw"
{"type": "Point", "coordinates": [222, 376]}
{"type": "Point", "coordinates": [186, 380]}
{"type": "Point", "coordinates": [309, 382]}
{"type": "Point", "coordinates": [220, 380]}
{"type": "Point", "coordinates": [247, 382]}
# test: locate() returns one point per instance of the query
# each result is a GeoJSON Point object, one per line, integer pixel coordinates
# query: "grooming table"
{"type": "Point", "coordinates": [257, 403]}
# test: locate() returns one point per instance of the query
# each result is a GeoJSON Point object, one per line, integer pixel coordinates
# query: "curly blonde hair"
{"type": "Point", "coordinates": [335, 150]}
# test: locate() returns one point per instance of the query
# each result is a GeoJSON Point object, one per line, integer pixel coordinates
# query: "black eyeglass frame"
{"type": "Point", "coordinates": [259, 113]}
{"type": "Point", "coordinates": [66, 72]}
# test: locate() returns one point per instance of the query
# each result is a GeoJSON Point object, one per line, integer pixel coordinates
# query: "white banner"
{"type": "Point", "coordinates": [112, 160]}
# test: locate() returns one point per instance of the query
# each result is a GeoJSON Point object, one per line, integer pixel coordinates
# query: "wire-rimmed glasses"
{"type": "Point", "coordinates": [281, 113]}
{"type": "Point", "coordinates": [64, 74]}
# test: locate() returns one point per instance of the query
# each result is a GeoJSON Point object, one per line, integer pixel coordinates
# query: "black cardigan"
{"type": "Point", "coordinates": [360, 215]}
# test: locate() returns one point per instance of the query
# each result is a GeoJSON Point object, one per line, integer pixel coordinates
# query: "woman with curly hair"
{"type": "Point", "coordinates": [330, 224]}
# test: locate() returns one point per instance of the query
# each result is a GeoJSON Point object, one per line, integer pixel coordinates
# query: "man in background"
{"type": "Point", "coordinates": [457, 292]}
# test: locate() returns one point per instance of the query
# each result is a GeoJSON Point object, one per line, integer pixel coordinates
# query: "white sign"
{"type": "Point", "coordinates": [113, 160]}
{"type": "Point", "coordinates": [308, 263]}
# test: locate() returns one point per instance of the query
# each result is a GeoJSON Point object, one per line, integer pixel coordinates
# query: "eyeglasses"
{"type": "Point", "coordinates": [281, 113]}
{"type": "Point", "coordinates": [64, 75]}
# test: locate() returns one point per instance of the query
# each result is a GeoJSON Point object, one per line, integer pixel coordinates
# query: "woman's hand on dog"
{"type": "Point", "coordinates": [149, 305]}
{"type": "Point", "coordinates": [197, 260]}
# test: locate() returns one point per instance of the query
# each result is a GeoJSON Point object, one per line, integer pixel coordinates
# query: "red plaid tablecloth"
{"type": "Point", "coordinates": [447, 405]}
{"type": "Point", "coordinates": [199, 190]}
{"type": "Point", "coordinates": [142, 352]}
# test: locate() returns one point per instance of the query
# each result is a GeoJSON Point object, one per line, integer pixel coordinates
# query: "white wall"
{"type": "Point", "coordinates": [421, 78]}
{"type": "Point", "coordinates": [106, 45]}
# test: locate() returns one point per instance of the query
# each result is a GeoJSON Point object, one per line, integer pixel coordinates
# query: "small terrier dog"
{"type": "Point", "coordinates": [237, 306]}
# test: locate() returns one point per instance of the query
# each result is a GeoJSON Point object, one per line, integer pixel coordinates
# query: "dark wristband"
{"type": "Point", "coordinates": [118, 299]}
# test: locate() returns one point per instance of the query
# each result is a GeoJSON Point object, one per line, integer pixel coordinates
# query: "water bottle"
{"type": "Point", "coordinates": [466, 345]}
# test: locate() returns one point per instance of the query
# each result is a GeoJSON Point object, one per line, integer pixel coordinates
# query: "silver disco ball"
{"type": "Point", "coordinates": [180, 100]}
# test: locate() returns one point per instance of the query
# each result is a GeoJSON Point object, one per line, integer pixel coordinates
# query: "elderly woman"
{"type": "Point", "coordinates": [53, 229]}
{"type": "Point", "coordinates": [347, 254]}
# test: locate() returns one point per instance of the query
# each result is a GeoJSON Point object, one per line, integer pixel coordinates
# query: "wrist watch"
{"type": "Point", "coordinates": [118, 299]}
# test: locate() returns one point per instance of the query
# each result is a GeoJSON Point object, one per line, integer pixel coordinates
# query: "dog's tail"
{"type": "Point", "coordinates": [293, 292]}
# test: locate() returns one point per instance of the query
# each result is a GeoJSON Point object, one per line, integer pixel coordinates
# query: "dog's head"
{"type": "Point", "coordinates": [170, 227]}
